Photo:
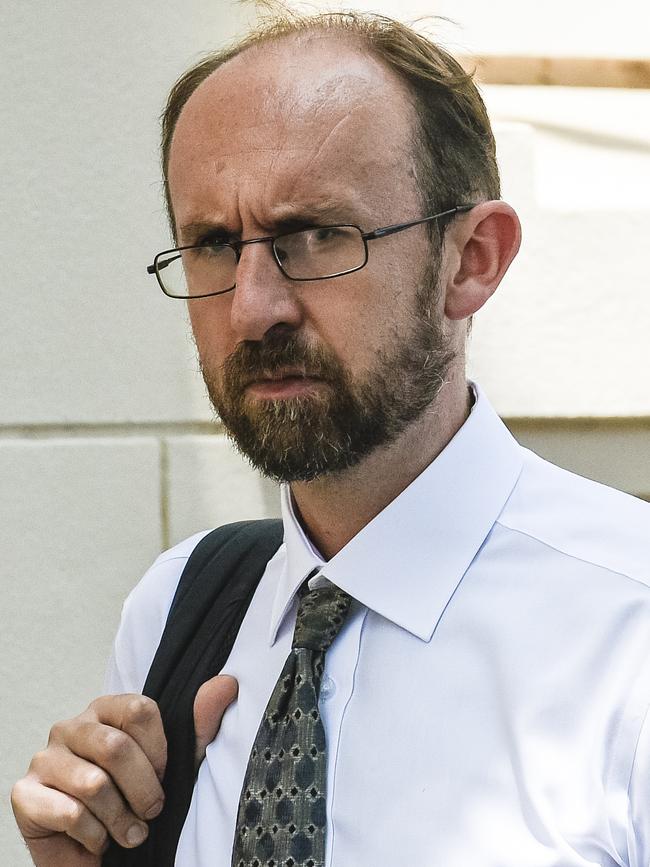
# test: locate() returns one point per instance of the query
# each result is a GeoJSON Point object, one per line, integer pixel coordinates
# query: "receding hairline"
{"type": "Point", "coordinates": [451, 140]}
{"type": "Point", "coordinates": [343, 38]}
{"type": "Point", "coordinates": [404, 139]}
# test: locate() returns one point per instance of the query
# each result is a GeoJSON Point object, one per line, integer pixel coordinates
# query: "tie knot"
{"type": "Point", "coordinates": [321, 613]}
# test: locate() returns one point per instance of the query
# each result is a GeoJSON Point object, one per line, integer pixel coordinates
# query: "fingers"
{"type": "Point", "coordinates": [113, 759]}
{"type": "Point", "coordinates": [212, 699]}
{"type": "Point", "coordinates": [94, 789]}
{"type": "Point", "coordinates": [57, 812]}
{"type": "Point", "coordinates": [99, 776]}
{"type": "Point", "coordinates": [140, 718]}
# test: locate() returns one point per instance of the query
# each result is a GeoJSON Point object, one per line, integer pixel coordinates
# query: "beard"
{"type": "Point", "coordinates": [331, 428]}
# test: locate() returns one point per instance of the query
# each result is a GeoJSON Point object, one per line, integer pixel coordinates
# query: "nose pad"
{"type": "Point", "coordinates": [280, 256]}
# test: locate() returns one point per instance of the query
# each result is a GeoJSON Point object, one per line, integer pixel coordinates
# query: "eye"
{"type": "Point", "coordinates": [326, 233]}
{"type": "Point", "coordinates": [212, 246]}
{"type": "Point", "coordinates": [212, 240]}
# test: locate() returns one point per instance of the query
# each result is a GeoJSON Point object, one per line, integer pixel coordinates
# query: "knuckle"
{"type": "Point", "coordinates": [18, 795]}
{"type": "Point", "coordinates": [140, 709]}
{"type": "Point", "coordinates": [112, 745]}
{"type": "Point", "coordinates": [75, 814]}
{"type": "Point", "coordinates": [39, 761]}
{"type": "Point", "coordinates": [94, 704]}
{"type": "Point", "coordinates": [95, 783]}
{"type": "Point", "coordinates": [58, 731]}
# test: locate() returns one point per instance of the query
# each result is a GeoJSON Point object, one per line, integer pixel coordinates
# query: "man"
{"type": "Point", "coordinates": [485, 696]}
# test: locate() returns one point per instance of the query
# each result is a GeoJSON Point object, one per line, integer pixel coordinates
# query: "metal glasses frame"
{"type": "Point", "coordinates": [382, 232]}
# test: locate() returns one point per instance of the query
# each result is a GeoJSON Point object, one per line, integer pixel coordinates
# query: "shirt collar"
{"type": "Point", "coordinates": [407, 562]}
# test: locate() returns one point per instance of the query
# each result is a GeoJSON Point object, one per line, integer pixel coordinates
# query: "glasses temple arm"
{"type": "Point", "coordinates": [390, 230]}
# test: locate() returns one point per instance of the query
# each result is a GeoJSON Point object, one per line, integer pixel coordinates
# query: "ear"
{"type": "Point", "coordinates": [480, 247]}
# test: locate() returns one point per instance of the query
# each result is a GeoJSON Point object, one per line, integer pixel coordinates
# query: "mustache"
{"type": "Point", "coordinates": [254, 359]}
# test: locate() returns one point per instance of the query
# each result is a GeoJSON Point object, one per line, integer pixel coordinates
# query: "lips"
{"type": "Point", "coordinates": [283, 374]}
{"type": "Point", "coordinates": [283, 383]}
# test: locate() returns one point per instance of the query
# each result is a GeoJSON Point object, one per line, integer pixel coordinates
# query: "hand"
{"type": "Point", "coordinates": [210, 704]}
{"type": "Point", "coordinates": [100, 775]}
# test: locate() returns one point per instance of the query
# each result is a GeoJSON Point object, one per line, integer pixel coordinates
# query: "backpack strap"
{"type": "Point", "coordinates": [211, 600]}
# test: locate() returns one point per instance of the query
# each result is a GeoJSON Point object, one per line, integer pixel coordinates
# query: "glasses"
{"type": "Point", "coordinates": [317, 253]}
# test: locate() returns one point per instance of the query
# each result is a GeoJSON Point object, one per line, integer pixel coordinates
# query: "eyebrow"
{"type": "Point", "coordinates": [288, 218]}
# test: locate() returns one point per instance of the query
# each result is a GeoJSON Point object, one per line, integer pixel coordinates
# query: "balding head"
{"type": "Point", "coordinates": [453, 151]}
{"type": "Point", "coordinates": [307, 116]}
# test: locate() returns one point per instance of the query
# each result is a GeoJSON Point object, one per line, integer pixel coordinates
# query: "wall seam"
{"type": "Point", "coordinates": [107, 429]}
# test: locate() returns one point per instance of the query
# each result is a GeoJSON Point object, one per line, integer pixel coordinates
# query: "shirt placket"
{"type": "Point", "coordinates": [337, 690]}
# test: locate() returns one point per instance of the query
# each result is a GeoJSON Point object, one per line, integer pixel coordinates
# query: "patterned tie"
{"type": "Point", "coordinates": [281, 820]}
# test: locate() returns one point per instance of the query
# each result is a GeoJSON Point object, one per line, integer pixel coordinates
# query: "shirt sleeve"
{"type": "Point", "coordinates": [143, 619]}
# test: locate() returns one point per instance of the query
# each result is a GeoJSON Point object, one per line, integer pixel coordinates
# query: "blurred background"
{"type": "Point", "coordinates": [108, 450]}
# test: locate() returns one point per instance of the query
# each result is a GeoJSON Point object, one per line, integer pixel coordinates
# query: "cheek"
{"type": "Point", "coordinates": [349, 322]}
{"type": "Point", "coordinates": [210, 322]}
{"type": "Point", "coordinates": [379, 298]}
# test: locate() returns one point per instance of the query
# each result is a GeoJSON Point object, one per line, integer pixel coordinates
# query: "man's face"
{"type": "Point", "coordinates": [309, 378]}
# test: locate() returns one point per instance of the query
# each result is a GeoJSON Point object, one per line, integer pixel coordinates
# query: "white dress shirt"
{"type": "Point", "coordinates": [485, 702]}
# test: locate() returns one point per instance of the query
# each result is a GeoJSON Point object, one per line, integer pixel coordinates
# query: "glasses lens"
{"type": "Point", "coordinates": [204, 270]}
{"type": "Point", "coordinates": [321, 252]}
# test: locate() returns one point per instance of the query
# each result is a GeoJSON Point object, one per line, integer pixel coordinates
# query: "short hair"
{"type": "Point", "coordinates": [452, 140]}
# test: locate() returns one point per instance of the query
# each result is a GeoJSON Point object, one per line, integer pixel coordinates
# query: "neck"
{"type": "Point", "coordinates": [333, 509]}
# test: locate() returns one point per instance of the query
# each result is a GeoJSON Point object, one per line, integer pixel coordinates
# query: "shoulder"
{"type": "Point", "coordinates": [146, 609]}
{"type": "Point", "coordinates": [580, 518]}
{"type": "Point", "coordinates": [143, 618]}
{"type": "Point", "coordinates": [155, 590]}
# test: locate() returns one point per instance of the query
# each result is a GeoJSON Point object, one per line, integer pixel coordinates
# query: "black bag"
{"type": "Point", "coordinates": [212, 597]}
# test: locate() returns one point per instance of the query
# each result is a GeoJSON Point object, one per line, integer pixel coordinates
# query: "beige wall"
{"type": "Point", "coordinates": [103, 452]}
{"type": "Point", "coordinates": [107, 452]}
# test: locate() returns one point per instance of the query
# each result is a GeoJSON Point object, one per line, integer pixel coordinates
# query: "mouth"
{"type": "Point", "coordinates": [284, 382]}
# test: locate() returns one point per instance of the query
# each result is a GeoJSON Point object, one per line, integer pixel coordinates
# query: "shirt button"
{"type": "Point", "coordinates": [328, 688]}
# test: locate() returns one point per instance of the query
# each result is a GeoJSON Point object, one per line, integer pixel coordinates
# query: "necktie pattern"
{"type": "Point", "coordinates": [282, 815]}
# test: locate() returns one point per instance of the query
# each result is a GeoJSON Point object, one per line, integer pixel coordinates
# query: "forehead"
{"type": "Point", "coordinates": [310, 117]}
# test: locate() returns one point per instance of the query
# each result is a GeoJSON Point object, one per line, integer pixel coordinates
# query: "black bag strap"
{"type": "Point", "coordinates": [212, 597]}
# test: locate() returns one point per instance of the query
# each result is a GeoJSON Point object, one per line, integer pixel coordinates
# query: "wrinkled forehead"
{"type": "Point", "coordinates": [298, 78]}
{"type": "Point", "coordinates": [299, 111]}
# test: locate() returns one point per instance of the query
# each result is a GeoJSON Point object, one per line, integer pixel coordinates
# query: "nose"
{"type": "Point", "coordinates": [263, 297]}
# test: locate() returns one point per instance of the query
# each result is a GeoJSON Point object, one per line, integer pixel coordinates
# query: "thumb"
{"type": "Point", "coordinates": [212, 699]}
